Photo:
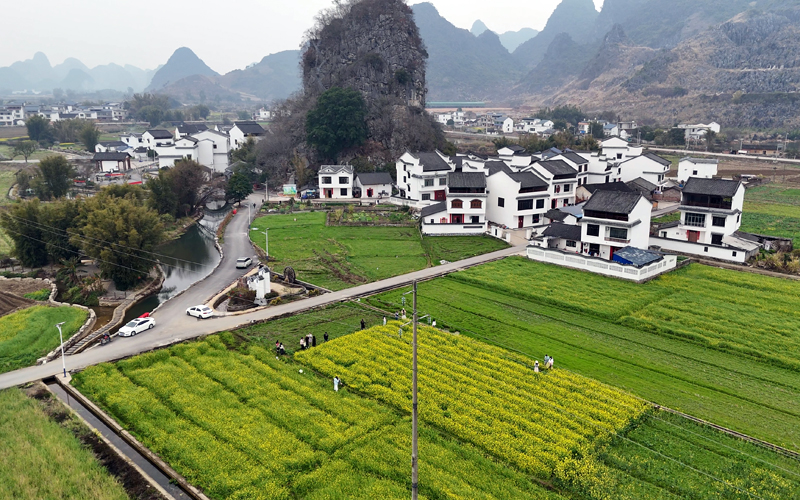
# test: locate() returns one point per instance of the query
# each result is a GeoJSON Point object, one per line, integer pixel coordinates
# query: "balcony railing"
{"type": "Point", "coordinates": [617, 240]}
{"type": "Point", "coordinates": [694, 223]}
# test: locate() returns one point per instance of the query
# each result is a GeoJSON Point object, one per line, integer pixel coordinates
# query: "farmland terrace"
{"type": "Point", "coordinates": [721, 345]}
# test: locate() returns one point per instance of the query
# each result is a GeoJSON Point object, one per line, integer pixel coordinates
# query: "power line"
{"type": "Point", "coordinates": [68, 233]}
{"type": "Point", "coordinates": [53, 231]}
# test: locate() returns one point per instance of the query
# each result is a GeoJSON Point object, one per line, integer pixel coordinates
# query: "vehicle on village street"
{"type": "Point", "coordinates": [137, 325]}
{"type": "Point", "coordinates": [200, 311]}
{"type": "Point", "coordinates": [243, 262]}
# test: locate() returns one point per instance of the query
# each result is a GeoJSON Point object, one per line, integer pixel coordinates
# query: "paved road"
{"type": "Point", "coordinates": [173, 325]}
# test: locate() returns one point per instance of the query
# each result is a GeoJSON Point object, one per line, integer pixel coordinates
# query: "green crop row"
{"type": "Point", "coordinates": [244, 424]}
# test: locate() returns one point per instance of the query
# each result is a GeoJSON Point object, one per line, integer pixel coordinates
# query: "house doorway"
{"type": "Point", "coordinates": [520, 221]}
{"type": "Point", "coordinates": [457, 219]}
{"type": "Point", "coordinates": [369, 192]}
{"type": "Point", "coordinates": [329, 193]}
{"type": "Point", "coordinates": [693, 236]}
{"type": "Point", "coordinates": [594, 249]}
{"type": "Point", "coordinates": [439, 195]}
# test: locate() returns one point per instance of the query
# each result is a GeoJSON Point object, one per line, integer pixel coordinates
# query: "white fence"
{"type": "Point", "coordinates": [602, 266]}
{"type": "Point", "coordinates": [453, 229]}
{"type": "Point", "coordinates": [702, 250]}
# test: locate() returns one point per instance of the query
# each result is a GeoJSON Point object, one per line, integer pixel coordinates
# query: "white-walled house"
{"type": "Point", "coordinates": [220, 147]}
{"type": "Point", "coordinates": [110, 146]}
{"type": "Point", "coordinates": [156, 138]}
{"type": "Point", "coordinates": [515, 199]}
{"type": "Point", "coordinates": [241, 131]}
{"type": "Point", "coordinates": [613, 220]}
{"type": "Point", "coordinates": [711, 214]}
{"type": "Point", "coordinates": [336, 182]}
{"type": "Point", "coordinates": [649, 167]}
{"type": "Point", "coordinates": [183, 148]}
{"type": "Point", "coordinates": [695, 132]}
{"type": "Point", "coordinates": [578, 162]}
{"type": "Point", "coordinates": [464, 210]}
{"type": "Point", "coordinates": [372, 185]}
{"type": "Point", "coordinates": [422, 177]}
{"type": "Point", "coordinates": [697, 167]}
{"type": "Point", "coordinates": [562, 178]}
{"type": "Point", "coordinates": [185, 129]}
{"type": "Point", "coordinates": [133, 140]}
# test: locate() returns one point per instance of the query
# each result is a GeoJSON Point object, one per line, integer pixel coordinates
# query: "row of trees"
{"type": "Point", "coordinates": [116, 228]}
{"type": "Point", "coordinates": [155, 108]}
{"type": "Point", "coordinates": [44, 133]}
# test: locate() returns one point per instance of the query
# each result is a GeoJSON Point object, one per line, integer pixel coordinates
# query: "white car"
{"type": "Point", "coordinates": [200, 312]}
{"type": "Point", "coordinates": [135, 326]}
{"type": "Point", "coordinates": [243, 262]}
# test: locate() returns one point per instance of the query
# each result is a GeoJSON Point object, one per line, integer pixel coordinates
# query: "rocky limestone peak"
{"type": "Point", "coordinates": [373, 46]}
{"type": "Point", "coordinates": [478, 27]}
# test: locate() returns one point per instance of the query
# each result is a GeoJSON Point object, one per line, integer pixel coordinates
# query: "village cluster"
{"type": "Point", "coordinates": [591, 210]}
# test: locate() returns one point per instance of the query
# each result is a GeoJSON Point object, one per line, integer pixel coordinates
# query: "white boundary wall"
{"type": "Point", "coordinates": [729, 254]}
{"type": "Point", "coordinates": [453, 229]}
{"type": "Point", "coordinates": [602, 266]}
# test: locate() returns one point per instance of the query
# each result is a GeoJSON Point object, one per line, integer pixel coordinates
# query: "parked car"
{"type": "Point", "coordinates": [135, 326]}
{"type": "Point", "coordinates": [202, 312]}
{"type": "Point", "coordinates": [244, 262]}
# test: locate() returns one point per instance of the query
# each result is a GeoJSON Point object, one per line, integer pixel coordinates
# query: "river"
{"type": "Point", "coordinates": [185, 261]}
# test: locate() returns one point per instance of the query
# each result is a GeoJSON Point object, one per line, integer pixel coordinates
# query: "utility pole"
{"type": "Point", "coordinates": [414, 462]}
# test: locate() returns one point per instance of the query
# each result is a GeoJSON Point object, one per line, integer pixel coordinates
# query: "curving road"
{"type": "Point", "coordinates": [173, 325]}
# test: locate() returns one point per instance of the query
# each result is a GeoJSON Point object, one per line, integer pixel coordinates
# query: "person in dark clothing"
{"type": "Point", "coordinates": [363, 324]}
{"type": "Point", "coordinates": [282, 349]}
{"type": "Point", "coordinates": [313, 340]}
{"type": "Point", "coordinates": [325, 336]}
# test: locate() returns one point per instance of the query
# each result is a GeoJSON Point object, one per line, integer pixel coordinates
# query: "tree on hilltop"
{"type": "Point", "coordinates": [337, 122]}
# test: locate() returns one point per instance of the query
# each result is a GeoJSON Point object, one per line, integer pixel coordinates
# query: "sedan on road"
{"type": "Point", "coordinates": [200, 312]}
{"type": "Point", "coordinates": [243, 262]}
{"type": "Point", "coordinates": [135, 326]}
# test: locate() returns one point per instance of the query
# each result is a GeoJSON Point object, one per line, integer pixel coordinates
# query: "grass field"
{"type": "Point", "coordinates": [774, 193]}
{"type": "Point", "coordinates": [337, 320]}
{"type": "Point", "coordinates": [339, 257]}
{"type": "Point", "coordinates": [717, 344]}
{"type": "Point", "coordinates": [41, 459]}
{"type": "Point", "coordinates": [245, 425]}
{"type": "Point", "coordinates": [772, 219]}
{"type": "Point", "coordinates": [31, 333]}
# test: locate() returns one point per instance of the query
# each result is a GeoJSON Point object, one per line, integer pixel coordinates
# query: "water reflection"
{"type": "Point", "coordinates": [186, 260]}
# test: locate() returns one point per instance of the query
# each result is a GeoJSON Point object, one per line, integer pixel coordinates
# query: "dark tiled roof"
{"type": "Point", "coordinates": [191, 128]}
{"type": "Point", "coordinates": [431, 162]}
{"type": "Point", "coordinates": [189, 138]}
{"type": "Point", "coordinates": [559, 168]}
{"type": "Point", "coordinates": [555, 214]}
{"type": "Point", "coordinates": [374, 178]}
{"type": "Point", "coordinates": [528, 180]}
{"type": "Point", "coordinates": [497, 166]}
{"type": "Point", "coordinates": [111, 156]}
{"type": "Point", "coordinates": [466, 180]}
{"type": "Point", "coordinates": [637, 256]}
{"type": "Point", "coordinates": [713, 187]}
{"type": "Point", "coordinates": [250, 128]}
{"type": "Point", "coordinates": [158, 133]}
{"type": "Point", "coordinates": [575, 158]}
{"type": "Point", "coordinates": [566, 231]}
{"type": "Point", "coordinates": [434, 209]}
{"type": "Point", "coordinates": [701, 160]}
{"type": "Point", "coordinates": [607, 186]}
{"type": "Point", "coordinates": [614, 202]}
{"type": "Point", "coordinates": [640, 185]}
{"type": "Point", "coordinates": [658, 159]}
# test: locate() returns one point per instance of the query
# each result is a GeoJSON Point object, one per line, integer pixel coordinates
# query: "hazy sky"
{"type": "Point", "coordinates": [226, 35]}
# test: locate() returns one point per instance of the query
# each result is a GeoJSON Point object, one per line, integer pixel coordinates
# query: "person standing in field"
{"type": "Point", "coordinates": [313, 340]}
{"type": "Point", "coordinates": [325, 336]}
{"type": "Point", "coordinates": [384, 321]}
{"type": "Point", "coordinates": [336, 383]}
{"type": "Point", "coordinates": [396, 316]}
{"type": "Point", "coordinates": [303, 344]}
{"type": "Point", "coordinates": [536, 366]}
{"type": "Point", "coordinates": [550, 363]}
{"type": "Point", "coordinates": [363, 324]}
